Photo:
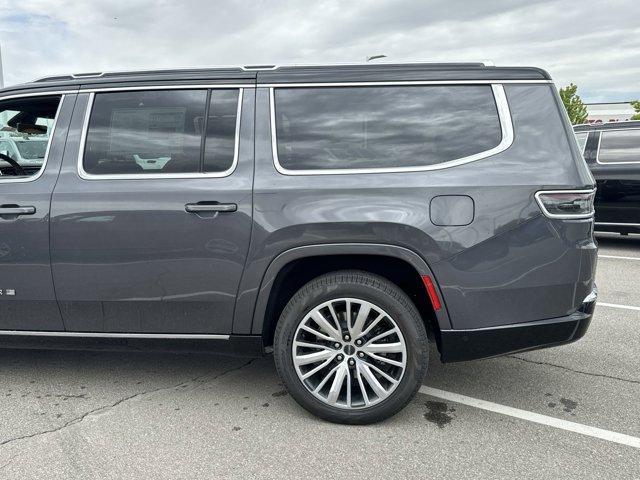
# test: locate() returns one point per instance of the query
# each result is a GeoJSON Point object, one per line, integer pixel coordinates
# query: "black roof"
{"type": "Point", "coordinates": [287, 74]}
{"type": "Point", "coordinates": [607, 126]}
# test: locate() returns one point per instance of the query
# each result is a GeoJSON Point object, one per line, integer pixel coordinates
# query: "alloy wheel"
{"type": "Point", "coordinates": [349, 353]}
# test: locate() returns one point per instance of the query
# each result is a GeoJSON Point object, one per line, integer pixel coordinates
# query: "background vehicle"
{"type": "Point", "coordinates": [612, 151]}
{"type": "Point", "coordinates": [336, 216]}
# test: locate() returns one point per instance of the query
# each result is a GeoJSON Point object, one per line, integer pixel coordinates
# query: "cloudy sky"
{"type": "Point", "coordinates": [593, 43]}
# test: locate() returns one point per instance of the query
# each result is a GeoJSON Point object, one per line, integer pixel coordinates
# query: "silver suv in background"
{"type": "Point", "coordinates": [338, 217]}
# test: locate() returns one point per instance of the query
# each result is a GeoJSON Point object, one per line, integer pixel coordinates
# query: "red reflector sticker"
{"type": "Point", "coordinates": [431, 290]}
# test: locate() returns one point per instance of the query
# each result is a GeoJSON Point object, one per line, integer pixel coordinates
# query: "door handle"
{"type": "Point", "coordinates": [17, 210]}
{"type": "Point", "coordinates": [210, 207]}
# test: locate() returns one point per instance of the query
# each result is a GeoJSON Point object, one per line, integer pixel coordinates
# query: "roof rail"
{"type": "Point", "coordinates": [259, 67]}
{"type": "Point", "coordinates": [248, 68]}
{"type": "Point", "coordinates": [87, 75]}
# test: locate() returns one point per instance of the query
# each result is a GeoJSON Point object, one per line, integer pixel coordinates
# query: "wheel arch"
{"type": "Point", "coordinates": [306, 262]}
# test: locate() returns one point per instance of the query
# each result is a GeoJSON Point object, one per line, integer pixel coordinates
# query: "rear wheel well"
{"type": "Point", "coordinates": [298, 272]}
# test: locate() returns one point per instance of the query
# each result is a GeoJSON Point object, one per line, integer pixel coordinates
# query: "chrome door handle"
{"type": "Point", "coordinates": [17, 210]}
{"type": "Point", "coordinates": [210, 207]}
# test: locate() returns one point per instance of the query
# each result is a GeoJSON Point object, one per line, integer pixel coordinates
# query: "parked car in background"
{"type": "Point", "coordinates": [612, 151]}
{"type": "Point", "coordinates": [335, 216]}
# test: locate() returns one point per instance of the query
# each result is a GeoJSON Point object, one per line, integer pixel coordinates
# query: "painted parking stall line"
{"type": "Point", "coordinates": [616, 305]}
{"type": "Point", "coordinates": [554, 422]}
{"type": "Point", "coordinates": [618, 257]}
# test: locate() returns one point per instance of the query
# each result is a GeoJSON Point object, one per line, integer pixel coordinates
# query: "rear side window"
{"type": "Point", "coordinates": [341, 128]}
{"type": "Point", "coordinates": [619, 146]}
{"type": "Point", "coordinates": [161, 132]}
{"type": "Point", "coordinates": [221, 130]}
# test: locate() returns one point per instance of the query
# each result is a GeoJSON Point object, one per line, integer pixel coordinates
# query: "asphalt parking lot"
{"type": "Point", "coordinates": [141, 415]}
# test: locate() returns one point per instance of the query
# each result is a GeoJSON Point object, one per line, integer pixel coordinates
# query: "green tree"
{"type": "Point", "coordinates": [573, 103]}
{"type": "Point", "coordinates": [636, 106]}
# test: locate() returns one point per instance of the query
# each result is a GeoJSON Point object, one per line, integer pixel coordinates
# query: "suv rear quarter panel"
{"type": "Point", "coordinates": [510, 264]}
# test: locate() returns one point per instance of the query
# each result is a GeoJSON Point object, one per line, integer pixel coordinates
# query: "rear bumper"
{"type": "Point", "coordinates": [462, 345]}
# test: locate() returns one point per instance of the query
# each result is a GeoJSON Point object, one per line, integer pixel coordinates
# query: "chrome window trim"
{"type": "Point", "coordinates": [42, 93]}
{"type": "Point", "coordinates": [175, 336]}
{"type": "Point", "coordinates": [186, 86]}
{"type": "Point", "coordinates": [156, 176]}
{"type": "Point", "coordinates": [400, 82]}
{"type": "Point", "coordinates": [504, 116]}
{"type": "Point", "coordinates": [600, 132]}
{"type": "Point", "coordinates": [563, 217]}
{"type": "Point", "coordinates": [35, 177]}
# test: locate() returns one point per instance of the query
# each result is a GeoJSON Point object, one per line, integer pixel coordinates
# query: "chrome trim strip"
{"type": "Point", "coordinates": [35, 177]}
{"type": "Point", "coordinates": [80, 76]}
{"type": "Point", "coordinates": [563, 217]}
{"type": "Point", "coordinates": [154, 176]}
{"type": "Point", "coordinates": [592, 297]}
{"type": "Point", "coordinates": [200, 86]}
{"type": "Point", "coordinates": [258, 68]}
{"type": "Point", "coordinates": [614, 224]}
{"type": "Point", "coordinates": [175, 336]}
{"type": "Point", "coordinates": [506, 126]}
{"type": "Point", "coordinates": [601, 132]}
{"type": "Point", "coordinates": [399, 82]}
{"type": "Point", "coordinates": [43, 93]}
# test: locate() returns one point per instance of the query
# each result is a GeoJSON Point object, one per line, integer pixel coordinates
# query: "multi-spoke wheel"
{"type": "Point", "coordinates": [352, 354]}
{"type": "Point", "coordinates": [349, 353]}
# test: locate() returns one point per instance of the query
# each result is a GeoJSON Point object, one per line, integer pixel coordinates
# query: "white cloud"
{"type": "Point", "coordinates": [589, 42]}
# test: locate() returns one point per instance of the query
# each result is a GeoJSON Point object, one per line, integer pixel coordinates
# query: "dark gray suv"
{"type": "Point", "coordinates": [335, 216]}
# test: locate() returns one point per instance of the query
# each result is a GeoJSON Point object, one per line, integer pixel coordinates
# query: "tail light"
{"type": "Point", "coordinates": [568, 204]}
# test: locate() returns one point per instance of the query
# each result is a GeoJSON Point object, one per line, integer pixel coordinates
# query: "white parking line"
{"type": "Point", "coordinates": [616, 305]}
{"type": "Point", "coordinates": [607, 435]}
{"type": "Point", "coordinates": [619, 257]}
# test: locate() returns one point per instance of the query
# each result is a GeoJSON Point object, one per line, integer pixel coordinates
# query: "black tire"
{"type": "Point", "coordinates": [371, 288]}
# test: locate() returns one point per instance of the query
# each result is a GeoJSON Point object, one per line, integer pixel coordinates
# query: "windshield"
{"type": "Point", "coordinates": [32, 149]}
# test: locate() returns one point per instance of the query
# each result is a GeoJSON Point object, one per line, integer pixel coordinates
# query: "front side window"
{"type": "Point", "coordinates": [161, 132]}
{"type": "Point", "coordinates": [26, 126]}
{"type": "Point", "coordinates": [619, 146]}
{"type": "Point", "coordinates": [383, 127]}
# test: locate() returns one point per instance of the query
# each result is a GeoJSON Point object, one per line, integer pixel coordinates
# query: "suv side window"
{"type": "Point", "coordinates": [369, 127]}
{"type": "Point", "coordinates": [26, 126]}
{"type": "Point", "coordinates": [219, 152]}
{"type": "Point", "coordinates": [619, 146]}
{"type": "Point", "coordinates": [161, 132]}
